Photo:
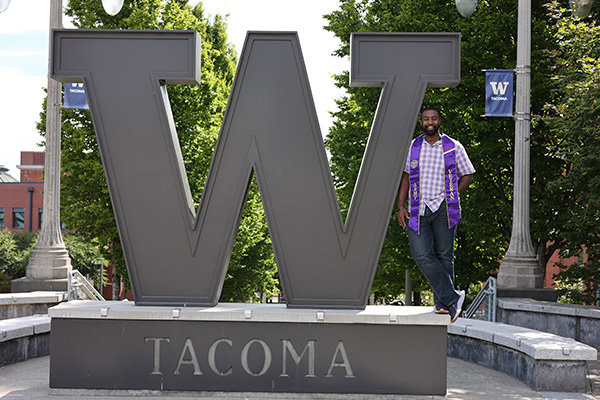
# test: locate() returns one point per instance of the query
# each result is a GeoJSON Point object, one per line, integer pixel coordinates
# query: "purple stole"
{"type": "Point", "coordinates": [451, 182]}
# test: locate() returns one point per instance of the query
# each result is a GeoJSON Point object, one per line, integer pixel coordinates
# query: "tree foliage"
{"type": "Point", "coordinates": [84, 254]}
{"type": "Point", "coordinates": [197, 112]}
{"type": "Point", "coordinates": [488, 41]}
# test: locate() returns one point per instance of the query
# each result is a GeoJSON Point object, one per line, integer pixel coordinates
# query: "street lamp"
{"type": "Point", "coordinates": [581, 8]}
{"type": "Point", "coordinates": [112, 7]}
{"type": "Point", "coordinates": [4, 5]}
{"type": "Point", "coordinates": [466, 8]}
{"type": "Point", "coordinates": [520, 274]}
{"type": "Point", "coordinates": [49, 264]}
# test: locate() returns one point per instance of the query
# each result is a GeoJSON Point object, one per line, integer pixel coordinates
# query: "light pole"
{"type": "Point", "coordinates": [520, 270]}
{"type": "Point", "coordinates": [520, 274]}
{"type": "Point", "coordinates": [50, 264]}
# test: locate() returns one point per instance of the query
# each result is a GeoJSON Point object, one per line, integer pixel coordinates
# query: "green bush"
{"type": "Point", "coordinates": [578, 283]}
{"type": "Point", "coordinates": [16, 248]}
{"type": "Point", "coordinates": [84, 253]}
{"type": "Point", "coordinates": [4, 282]}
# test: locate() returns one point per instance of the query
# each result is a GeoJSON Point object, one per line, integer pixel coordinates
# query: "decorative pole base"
{"type": "Point", "coordinates": [48, 270]}
{"type": "Point", "coordinates": [522, 277]}
{"type": "Point", "coordinates": [520, 272]}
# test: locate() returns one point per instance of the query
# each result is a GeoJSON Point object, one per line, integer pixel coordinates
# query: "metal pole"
{"type": "Point", "coordinates": [520, 268]}
{"type": "Point", "coordinates": [100, 266]}
{"type": "Point", "coordinates": [30, 190]}
{"type": "Point", "coordinates": [50, 264]}
{"type": "Point", "coordinates": [407, 288]}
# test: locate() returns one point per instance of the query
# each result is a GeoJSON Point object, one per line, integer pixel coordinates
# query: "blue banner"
{"type": "Point", "coordinates": [75, 96]}
{"type": "Point", "coordinates": [499, 93]}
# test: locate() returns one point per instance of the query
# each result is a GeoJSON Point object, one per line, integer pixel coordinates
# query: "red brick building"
{"type": "Point", "coordinates": [21, 203]}
{"type": "Point", "coordinates": [552, 269]}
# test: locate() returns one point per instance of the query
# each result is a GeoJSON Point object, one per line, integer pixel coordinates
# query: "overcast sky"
{"type": "Point", "coordinates": [24, 59]}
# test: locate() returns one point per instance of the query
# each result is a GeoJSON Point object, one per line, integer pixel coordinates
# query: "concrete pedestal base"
{"type": "Point", "coordinates": [540, 294]}
{"type": "Point", "coordinates": [48, 270]}
{"type": "Point", "coordinates": [26, 285]}
{"type": "Point", "coordinates": [248, 347]}
{"type": "Point", "coordinates": [520, 271]}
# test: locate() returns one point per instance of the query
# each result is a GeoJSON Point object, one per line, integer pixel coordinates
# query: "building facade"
{"type": "Point", "coordinates": [22, 202]}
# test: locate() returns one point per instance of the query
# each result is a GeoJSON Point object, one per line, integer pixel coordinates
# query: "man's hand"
{"type": "Point", "coordinates": [402, 217]}
{"type": "Point", "coordinates": [402, 196]}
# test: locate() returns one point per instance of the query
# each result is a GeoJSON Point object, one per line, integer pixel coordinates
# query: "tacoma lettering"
{"type": "Point", "coordinates": [188, 356]}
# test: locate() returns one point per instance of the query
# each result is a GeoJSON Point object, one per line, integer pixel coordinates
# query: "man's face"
{"type": "Point", "coordinates": [430, 122]}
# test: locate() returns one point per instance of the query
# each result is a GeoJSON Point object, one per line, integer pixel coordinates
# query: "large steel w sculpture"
{"type": "Point", "coordinates": [178, 256]}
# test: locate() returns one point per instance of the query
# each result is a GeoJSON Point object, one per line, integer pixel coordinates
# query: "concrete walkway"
{"type": "Point", "coordinates": [466, 381]}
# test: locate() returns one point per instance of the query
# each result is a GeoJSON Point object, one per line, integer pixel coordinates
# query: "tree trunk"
{"type": "Point", "coordinates": [116, 286]}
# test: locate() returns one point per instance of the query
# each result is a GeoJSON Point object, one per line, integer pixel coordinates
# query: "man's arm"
{"type": "Point", "coordinates": [464, 182]}
{"type": "Point", "coordinates": [402, 197]}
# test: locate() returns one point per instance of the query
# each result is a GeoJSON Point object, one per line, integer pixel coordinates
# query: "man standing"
{"type": "Point", "coordinates": [437, 169]}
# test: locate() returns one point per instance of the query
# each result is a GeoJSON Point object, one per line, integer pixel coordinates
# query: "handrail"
{"type": "Point", "coordinates": [484, 305]}
{"type": "Point", "coordinates": [78, 281]}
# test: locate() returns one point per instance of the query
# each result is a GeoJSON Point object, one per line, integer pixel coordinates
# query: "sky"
{"type": "Point", "coordinates": [24, 59]}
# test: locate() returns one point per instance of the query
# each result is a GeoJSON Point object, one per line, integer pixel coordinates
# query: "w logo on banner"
{"type": "Point", "coordinates": [499, 88]}
{"type": "Point", "coordinates": [499, 93]}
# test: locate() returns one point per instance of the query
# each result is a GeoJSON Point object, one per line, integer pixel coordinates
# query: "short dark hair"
{"type": "Point", "coordinates": [432, 109]}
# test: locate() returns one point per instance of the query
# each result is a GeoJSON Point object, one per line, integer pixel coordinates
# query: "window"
{"type": "Point", "coordinates": [1, 217]}
{"type": "Point", "coordinates": [18, 218]}
{"type": "Point", "coordinates": [40, 214]}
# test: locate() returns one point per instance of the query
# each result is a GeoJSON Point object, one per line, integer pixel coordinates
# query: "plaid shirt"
{"type": "Point", "coordinates": [433, 192]}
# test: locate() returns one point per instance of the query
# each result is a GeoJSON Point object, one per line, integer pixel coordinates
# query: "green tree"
{"type": "Point", "coordinates": [574, 120]}
{"type": "Point", "coordinates": [197, 112]}
{"type": "Point", "coordinates": [84, 254]}
{"type": "Point", "coordinates": [15, 250]}
{"type": "Point", "coordinates": [488, 41]}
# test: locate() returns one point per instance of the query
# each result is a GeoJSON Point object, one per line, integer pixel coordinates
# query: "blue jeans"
{"type": "Point", "coordinates": [433, 251]}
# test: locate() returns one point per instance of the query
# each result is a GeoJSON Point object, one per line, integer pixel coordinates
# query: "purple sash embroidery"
{"type": "Point", "coordinates": [414, 192]}
{"type": "Point", "coordinates": [451, 182]}
{"type": "Point", "coordinates": [452, 199]}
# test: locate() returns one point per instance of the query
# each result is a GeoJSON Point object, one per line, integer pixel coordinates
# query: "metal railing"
{"type": "Point", "coordinates": [484, 305]}
{"type": "Point", "coordinates": [79, 288]}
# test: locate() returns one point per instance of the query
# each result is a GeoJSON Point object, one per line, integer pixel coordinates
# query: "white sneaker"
{"type": "Point", "coordinates": [456, 308]}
